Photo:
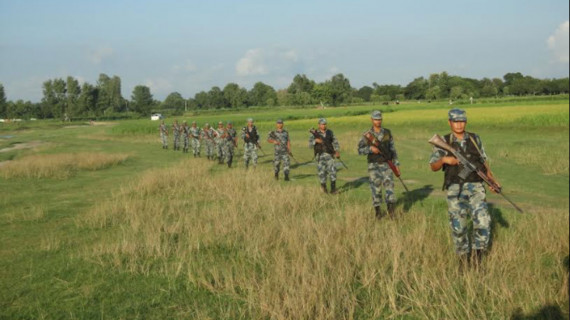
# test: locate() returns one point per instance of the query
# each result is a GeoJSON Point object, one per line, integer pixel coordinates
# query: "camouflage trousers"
{"type": "Point", "coordinates": [220, 148]}
{"type": "Point", "coordinates": [281, 158]}
{"type": "Point", "coordinates": [164, 139]}
{"type": "Point", "coordinates": [380, 176]}
{"type": "Point", "coordinates": [326, 167]}
{"type": "Point", "coordinates": [465, 202]}
{"type": "Point", "coordinates": [176, 143]}
{"type": "Point", "coordinates": [196, 146]}
{"type": "Point", "coordinates": [229, 151]}
{"type": "Point", "coordinates": [186, 142]}
{"type": "Point", "coordinates": [250, 154]}
{"type": "Point", "coordinates": [210, 148]}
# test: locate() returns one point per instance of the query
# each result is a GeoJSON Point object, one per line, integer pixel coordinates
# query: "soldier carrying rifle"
{"type": "Point", "coordinates": [250, 138]}
{"type": "Point", "coordinates": [465, 192]}
{"type": "Point", "coordinates": [326, 147]}
{"type": "Point", "coordinates": [378, 145]}
{"type": "Point", "coordinates": [280, 138]}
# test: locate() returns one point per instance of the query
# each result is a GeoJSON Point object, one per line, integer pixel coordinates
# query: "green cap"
{"type": "Point", "coordinates": [457, 115]}
{"type": "Point", "coordinates": [377, 115]}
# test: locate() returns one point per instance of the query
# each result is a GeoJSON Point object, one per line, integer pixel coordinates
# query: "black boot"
{"type": "Point", "coordinates": [333, 187]}
{"type": "Point", "coordinates": [230, 160]}
{"type": "Point", "coordinates": [276, 175]}
{"type": "Point", "coordinates": [287, 177]}
{"type": "Point", "coordinates": [378, 212]}
{"type": "Point", "coordinates": [324, 187]}
{"type": "Point", "coordinates": [391, 210]}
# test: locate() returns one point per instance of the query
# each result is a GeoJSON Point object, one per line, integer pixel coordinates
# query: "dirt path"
{"type": "Point", "coordinates": [25, 145]}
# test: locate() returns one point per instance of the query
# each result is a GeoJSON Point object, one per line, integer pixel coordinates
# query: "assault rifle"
{"type": "Point", "coordinates": [316, 134]}
{"type": "Point", "coordinates": [468, 167]}
{"type": "Point", "coordinates": [374, 141]}
{"type": "Point", "coordinates": [273, 137]}
{"type": "Point", "coordinates": [244, 130]}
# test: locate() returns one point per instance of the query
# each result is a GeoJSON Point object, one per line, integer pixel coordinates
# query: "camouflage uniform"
{"type": "Point", "coordinates": [466, 199]}
{"type": "Point", "coordinates": [196, 134]}
{"type": "Point", "coordinates": [379, 173]}
{"type": "Point", "coordinates": [250, 145]}
{"type": "Point", "coordinates": [325, 159]}
{"type": "Point", "coordinates": [164, 135]}
{"type": "Point", "coordinates": [176, 134]}
{"type": "Point", "coordinates": [281, 152]}
{"type": "Point", "coordinates": [208, 136]}
{"type": "Point", "coordinates": [220, 144]}
{"type": "Point", "coordinates": [229, 145]}
{"type": "Point", "coordinates": [186, 135]}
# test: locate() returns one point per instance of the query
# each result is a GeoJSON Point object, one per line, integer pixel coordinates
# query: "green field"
{"type": "Point", "coordinates": [100, 222]}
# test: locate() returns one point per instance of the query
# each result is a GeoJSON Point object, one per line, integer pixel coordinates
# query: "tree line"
{"type": "Point", "coordinates": [67, 99]}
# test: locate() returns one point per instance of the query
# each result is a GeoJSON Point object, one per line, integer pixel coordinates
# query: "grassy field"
{"type": "Point", "coordinates": [100, 222]}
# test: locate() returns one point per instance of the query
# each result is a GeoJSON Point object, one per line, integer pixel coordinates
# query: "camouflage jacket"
{"type": "Point", "coordinates": [282, 137]}
{"type": "Point", "coordinates": [195, 132]}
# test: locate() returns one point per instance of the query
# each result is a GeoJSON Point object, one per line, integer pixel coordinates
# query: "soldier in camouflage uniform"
{"type": "Point", "coordinates": [250, 143]}
{"type": "Point", "coordinates": [220, 142]}
{"type": "Point", "coordinates": [176, 134]}
{"type": "Point", "coordinates": [208, 135]}
{"type": "Point", "coordinates": [163, 134]}
{"type": "Point", "coordinates": [280, 138]}
{"type": "Point", "coordinates": [326, 149]}
{"type": "Point", "coordinates": [380, 174]}
{"type": "Point", "coordinates": [195, 134]}
{"type": "Point", "coordinates": [185, 130]}
{"type": "Point", "coordinates": [465, 197]}
{"type": "Point", "coordinates": [230, 143]}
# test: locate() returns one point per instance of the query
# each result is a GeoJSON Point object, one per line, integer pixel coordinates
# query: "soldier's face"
{"type": "Point", "coordinates": [377, 122]}
{"type": "Point", "coordinates": [230, 126]}
{"type": "Point", "coordinates": [457, 126]}
{"type": "Point", "coordinates": [279, 126]}
{"type": "Point", "coordinates": [322, 126]}
{"type": "Point", "coordinates": [250, 123]}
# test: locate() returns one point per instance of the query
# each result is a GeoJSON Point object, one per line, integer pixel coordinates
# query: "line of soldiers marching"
{"type": "Point", "coordinates": [465, 190]}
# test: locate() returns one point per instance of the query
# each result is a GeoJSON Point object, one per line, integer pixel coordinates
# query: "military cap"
{"type": "Point", "coordinates": [220, 122]}
{"type": "Point", "coordinates": [457, 115]}
{"type": "Point", "coordinates": [206, 124]}
{"type": "Point", "coordinates": [377, 115]}
{"type": "Point", "coordinates": [249, 119]}
{"type": "Point", "coordinates": [193, 122]}
{"type": "Point", "coordinates": [279, 120]}
{"type": "Point", "coordinates": [322, 121]}
{"type": "Point", "coordinates": [229, 122]}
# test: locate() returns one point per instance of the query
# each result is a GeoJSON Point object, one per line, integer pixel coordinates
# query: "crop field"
{"type": "Point", "coordinates": [101, 222]}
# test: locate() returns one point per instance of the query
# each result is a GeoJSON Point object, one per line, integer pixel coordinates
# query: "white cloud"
{"type": "Point", "coordinates": [97, 55]}
{"type": "Point", "coordinates": [253, 63]}
{"type": "Point", "coordinates": [160, 86]}
{"type": "Point", "coordinates": [187, 67]}
{"type": "Point", "coordinates": [558, 43]}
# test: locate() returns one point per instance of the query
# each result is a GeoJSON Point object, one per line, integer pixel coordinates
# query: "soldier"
{"type": "Point", "coordinates": [163, 134]}
{"type": "Point", "coordinates": [220, 142]}
{"type": "Point", "coordinates": [195, 133]}
{"type": "Point", "coordinates": [280, 138]}
{"type": "Point", "coordinates": [250, 142]}
{"type": "Point", "coordinates": [185, 130]}
{"type": "Point", "coordinates": [208, 134]}
{"type": "Point", "coordinates": [326, 147]}
{"type": "Point", "coordinates": [230, 143]}
{"type": "Point", "coordinates": [465, 197]}
{"type": "Point", "coordinates": [379, 172]}
{"type": "Point", "coordinates": [176, 134]}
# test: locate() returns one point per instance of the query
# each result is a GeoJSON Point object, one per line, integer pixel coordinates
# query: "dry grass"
{"type": "Point", "coordinates": [551, 160]}
{"type": "Point", "coordinates": [290, 252]}
{"type": "Point", "coordinates": [58, 166]}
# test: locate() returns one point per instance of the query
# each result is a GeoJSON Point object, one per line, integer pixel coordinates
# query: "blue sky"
{"type": "Point", "coordinates": [190, 46]}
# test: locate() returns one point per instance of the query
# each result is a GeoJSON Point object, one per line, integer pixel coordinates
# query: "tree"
{"type": "Point", "coordinates": [201, 99]}
{"type": "Point", "coordinates": [364, 93]}
{"type": "Point", "coordinates": [416, 89]}
{"type": "Point", "coordinates": [87, 102]}
{"type": "Point", "coordinates": [3, 104]}
{"type": "Point", "coordinates": [174, 101]}
{"type": "Point", "coordinates": [59, 88]}
{"type": "Point", "coordinates": [142, 100]}
{"type": "Point", "coordinates": [340, 90]}
{"type": "Point", "coordinates": [216, 98]}
{"type": "Point", "coordinates": [300, 90]}
{"type": "Point", "coordinates": [433, 93]}
{"type": "Point", "coordinates": [511, 77]}
{"type": "Point", "coordinates": [261, 94]}
{"type": "Point", "coordinates": [235, 96]}
{"type": "Point", "coordinates": [456, 92]}
{"type": "Point", "coordinates": [73, 92]}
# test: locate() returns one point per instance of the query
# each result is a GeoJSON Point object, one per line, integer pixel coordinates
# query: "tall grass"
{"type": "Point", "coordinates": [290, 252]}
{"type": "Point", "coordinates": [58, 166]}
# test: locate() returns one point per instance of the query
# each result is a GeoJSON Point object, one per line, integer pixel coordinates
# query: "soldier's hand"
{"type": "Point", "coordinates": [337, 155]}
{"type": "Point", "coordinates": [374, 150]}
{"type": "Point", "coordinates": [318, 140]}
{"type": "Point", "coordinates": [247, 135]}
{"type": "Point", "coordinates": [452, 161]}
